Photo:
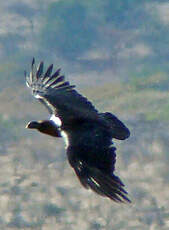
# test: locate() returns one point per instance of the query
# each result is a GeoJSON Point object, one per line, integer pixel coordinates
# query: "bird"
{"type": "Point", "coordinates": [88, 135]}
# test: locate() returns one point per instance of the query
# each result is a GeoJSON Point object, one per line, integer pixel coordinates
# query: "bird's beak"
{"type": "Point", "coordinates": [32, 125]}
{"type": "Point", "coordinates": [27, 126]}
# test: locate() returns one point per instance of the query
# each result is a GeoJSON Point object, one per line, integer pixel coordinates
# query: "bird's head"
{"type": "Point", "coordinates": [45, 126]}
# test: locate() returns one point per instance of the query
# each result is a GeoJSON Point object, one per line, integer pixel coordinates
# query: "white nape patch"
{"type": "Point", "coordinates": [38, 96]}
{"type": "Point", "coordinates": [56, 120]}
{"type": "Point", "coordinates": [65, 137]}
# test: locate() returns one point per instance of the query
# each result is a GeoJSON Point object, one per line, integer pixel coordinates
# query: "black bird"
{"type": "Point", "coordinates": [87, 133]}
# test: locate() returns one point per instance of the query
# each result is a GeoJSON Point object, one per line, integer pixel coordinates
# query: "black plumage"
{"type": "Point", "coordinates": [88, 134]}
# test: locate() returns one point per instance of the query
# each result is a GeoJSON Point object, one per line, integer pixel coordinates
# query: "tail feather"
{"type": "Point", "coordinates": [119, 130]}
{"type": "Point", "coordinates": [101, 183]}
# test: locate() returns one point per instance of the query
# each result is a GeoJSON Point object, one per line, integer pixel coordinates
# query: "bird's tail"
{"type": "Point", "coordinates": [101, 183]}
{"type": "Point", "coordinates": [119, 130]}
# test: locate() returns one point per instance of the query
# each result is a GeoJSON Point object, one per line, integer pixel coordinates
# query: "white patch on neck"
{"type": "Point", "coordinates": [38, 96]}
{"type": "Point", "coordinates": [65, 137]}
{"type": "Point", "coordinates": [56, 120]}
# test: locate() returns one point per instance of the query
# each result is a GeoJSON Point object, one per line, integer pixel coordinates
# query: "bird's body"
{"type": "Point", "coordinates": [88, 134]}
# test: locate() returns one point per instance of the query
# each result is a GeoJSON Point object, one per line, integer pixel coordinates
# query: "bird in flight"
{"type": "Point", "coordinates": [87, 133]}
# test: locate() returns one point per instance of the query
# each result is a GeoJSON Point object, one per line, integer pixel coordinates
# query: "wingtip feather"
{"type": "Point", "coordinates": [33, 61]}
{"type": "Point", "coordinates": [48, 72]}
{"type": "Point", "coordinates": [40, 81]}
{"type": "Point", "coordinates": [39, 70]}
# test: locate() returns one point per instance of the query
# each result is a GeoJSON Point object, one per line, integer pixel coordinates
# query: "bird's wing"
{"type": "Point", "coordinates": [99, 176]}
{"type": "Point", "coordinates": [58, 95]}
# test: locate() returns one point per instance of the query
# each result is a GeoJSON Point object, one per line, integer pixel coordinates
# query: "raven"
{"type": "Point", "coordinates": [87, 133]}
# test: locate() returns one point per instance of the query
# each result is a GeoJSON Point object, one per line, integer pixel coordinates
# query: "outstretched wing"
{"type": "Point", "coordinates": [58, 95]}
{"type": "Point", "coordinates": [98, 174]}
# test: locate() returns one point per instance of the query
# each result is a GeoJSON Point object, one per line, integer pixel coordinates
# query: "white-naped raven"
{"type": "Point", "coordinates": [87, 133]}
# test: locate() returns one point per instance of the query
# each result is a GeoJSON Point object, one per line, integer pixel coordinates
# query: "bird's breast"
{"type": "Point", "coordinates": [65, 137]}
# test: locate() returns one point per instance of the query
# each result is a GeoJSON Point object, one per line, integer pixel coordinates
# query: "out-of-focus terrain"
{"type": "Point", "coordinates": [116, 54]}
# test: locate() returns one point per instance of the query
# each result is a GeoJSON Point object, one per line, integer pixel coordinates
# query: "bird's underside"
{"type": "Point", "coordinates": [87, 133]}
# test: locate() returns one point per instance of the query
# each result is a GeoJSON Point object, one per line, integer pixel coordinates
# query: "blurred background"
{"type": "Point", "coordinates": [117, 53]}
